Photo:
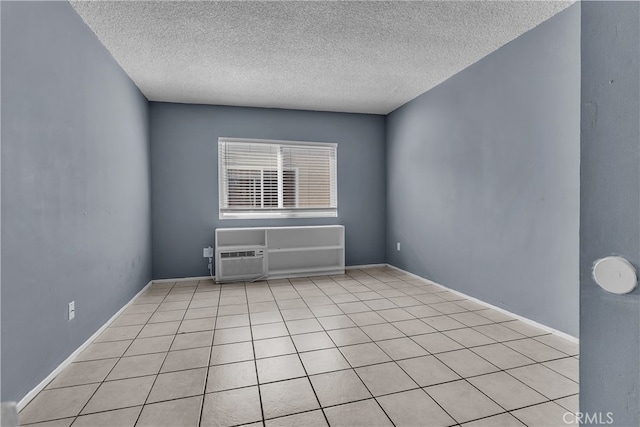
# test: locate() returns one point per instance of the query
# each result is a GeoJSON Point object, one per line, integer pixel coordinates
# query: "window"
{"type": "Point", "coordinates": [277, 179]}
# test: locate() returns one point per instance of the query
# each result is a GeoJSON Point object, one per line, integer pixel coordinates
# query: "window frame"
{"type": "Point", "coordinates": [279, 212]}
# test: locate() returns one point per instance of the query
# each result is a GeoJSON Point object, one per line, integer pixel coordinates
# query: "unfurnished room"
{"type": "Point", "coordinates": [320, 213]}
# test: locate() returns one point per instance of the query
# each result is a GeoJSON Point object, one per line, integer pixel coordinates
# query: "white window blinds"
{"type": "Point", "coordinates": [277, 179]}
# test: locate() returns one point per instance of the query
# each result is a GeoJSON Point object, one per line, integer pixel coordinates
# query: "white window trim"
{"type": "Point", "coordinates": [280, 212]}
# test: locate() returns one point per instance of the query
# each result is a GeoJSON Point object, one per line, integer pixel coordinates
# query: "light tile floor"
{"type": "Point", "coordinates": [372, 347]}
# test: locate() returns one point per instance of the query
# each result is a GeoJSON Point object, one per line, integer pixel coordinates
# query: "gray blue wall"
{"type": "Point", "coordinates": [75, 189]}
{"type": "Point", "coordinates": [184, 180]}
{"type": "Point", "coordinates": [483, 177]}
{"type": "Point", "coordinates": [610, 208]}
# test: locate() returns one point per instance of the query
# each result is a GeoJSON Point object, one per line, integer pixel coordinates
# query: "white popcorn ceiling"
{"type": "Point", "coordinates": [365, 57]}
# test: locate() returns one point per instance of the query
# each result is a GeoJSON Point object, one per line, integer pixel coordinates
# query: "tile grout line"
{"type": "Point", "coordinates": [213, 337]}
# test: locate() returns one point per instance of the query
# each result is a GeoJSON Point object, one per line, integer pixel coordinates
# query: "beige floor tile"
{"type": "Point", "coordinates": [297, 314]}
{"type": "Point", "coordinates": [233, 309]}
{"type": "Point", "coordinates": [327, 360]}
{"type": "Point", "coordinates": [80, 373]}
{"type": "Point", "coordinates": [149, 345]}
{"type": "Point", "coordinates": [287, 397]}
{"type": "Point", "coordinates": [428, 370]}
{"type": "Point", "coordinates": [436, 342]}
{"type": "Point", "coordinates": [502, 356]}
{"type": "Point", "coordinates": [273, 347]}
{"type": "Point", "coordinates": [463, 401]}
{"type": "Point", "coordinates": [413, 327]}
{"type": "Point", "coordinates": [524, 328]}
{"type": "Point", "coordinates": [234, 321]}
{"type": "Point", "coordinates": [269, 330]}
{"type": "Point", "coordinates": [231, 407]}
{"type": "Point", "coordinates": [201, 312]}
{"type": "Point", "coordinates": [402, 348]}
{"type": "Point", "coordinates": [569, 367]}
{"type": "Point", "coordinates": [385, 378]}
{"type": "Point", "coordinates": [366, 413]}
{"type": "Point", "coordinates": [103, 350]}
{"type": "Point", "coordinates": [137, 366]}
{"type": "Point", "coordinates": [559, 343]}
{"type": "Point", "coordinates": [63, 422]}
{"type": "Point", "coordinates": [192, 340]}
{"type": "Point", "coordinates": [279, 368]}
{"type": "Point", "coordinates": [119, 394]}
{"type": "Point", "coordinates": [336, 322]}
{"type": "Point", "coordinates": [414, 408]}
{"type": "Point", "coordinates": [141, 308]}
{"type": "Point", "coordinates": [334, 388]}
{"type": "Point", "coordinates": [313, 341]}
{"type": "Point", "coordinates": [502, 420]}
{"type": "Point", "coordinates": [119, 334]}
{"type": "Point", "coordinates": [230, 376]}
{"type": "Point", "coordinates": [186, 359]}
{"type": "Point", "coordinates": [229, 353]}
{"type": "Point", "coordinates": [306, 419]}
{"type": "Point", "coordinates": [570, 403]}
{"type": "Point", "coordinates": [545, 415]}
{"type": "Point", "coordinates": [405, 301]}
{"type": "Point", "coordinates": [265, 317]}
{"type": "Point", "coordinates": [364, 354]}
{"type": "Point", "coordinates": [422, 311]}
{"type": "Point", "coordinates": [175, 385]}
{"type": "Point", "coordinates": [158, 329]}
{"type": "Point", "coordinates": [120, 417]}
{"type": "Point", "coordinates": [535, 350]}
{"type": "Point", "coordinates": [57, 403]}
{"type": "Point", "coordinates": [383, 331]}
{"type": "Point", "coordinates": [395, 314]}
{"type": "Point", "coordinates": [201, 303]}
{"type": "Point", "coordinates": [263, 307]}
{"type": "Point", "coordinates": [494, 315]}
{"type": "Point", "coordinates": [167, 316]}
{"type": "Point", "coordinates": [545, 381]}
{"type": "Point", "coordinates": [381, 304]}
{"type": "Point", "coordinates": [443, 323]}
{"type": "Point", "coordinates": [468, 337]}
{"type": "Point", "coordinates": [470, 319]}
{"type": "Point", "coordinates": [466, 363]}
{"type": "Point", "coordinates": [366, 318]}
{"type": "Point", "coordinates": [197, 325]}
{"type": "Point", "coordinates": [326, 310]}
{"type": "Point", "coordinates": [176, 305]}
{"type": "Point", "coordinates": [470, 305]}
{"type": "Point", "coordinates": [348, 336]}
{"type": "Point", "coordinates": [131, 319]}
{"type": "Point", "coordinates": [303, 326]}
{"type": "Point", "coordinates": [507, 391]}
{"type": "Point", "coordinates": [343, 298]}
{"type": "Point", "coordinates": [499, 333]}
{"type": "Point", "coordinates": [291, 304]}
{"type": "Point", "coordinates": [232, 335]}
{"type": "Point", "coordinates": [172, 413]}
{"type": "Point", "coordinates": [354, 307]}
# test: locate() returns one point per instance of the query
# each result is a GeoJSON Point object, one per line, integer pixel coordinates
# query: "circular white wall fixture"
{"type": "Point", "coordinates": [615, 274]}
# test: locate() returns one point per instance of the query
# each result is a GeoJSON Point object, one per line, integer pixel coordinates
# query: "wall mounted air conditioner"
{"type": "Point", "coordinates": [241, 263]}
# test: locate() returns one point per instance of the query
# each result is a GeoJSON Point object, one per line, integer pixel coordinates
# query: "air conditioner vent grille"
{"type": "Point", "coordinates": [237, 254]}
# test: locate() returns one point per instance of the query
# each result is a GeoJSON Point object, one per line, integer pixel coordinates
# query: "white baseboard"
{"type": "Point", "coordinates": [37, 389]}
{"type": "Point", "coordinates": [358, 267]}
{"type": "Point", "coordinates": [181, 279]}
{"type": "Point", "coordinates": [501, 310]}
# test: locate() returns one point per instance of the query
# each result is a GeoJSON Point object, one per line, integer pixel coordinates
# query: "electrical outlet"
{"type": "Point", "coordinates": [72, 310]}
{"type": "Point", "coordinates": [398, 246]}
{"type": "Point", "coordinates": [207, 252]}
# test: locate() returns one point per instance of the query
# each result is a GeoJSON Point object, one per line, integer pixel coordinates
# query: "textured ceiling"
{"type": "Point", "coordinates": [368, 57]}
